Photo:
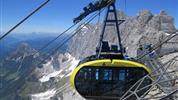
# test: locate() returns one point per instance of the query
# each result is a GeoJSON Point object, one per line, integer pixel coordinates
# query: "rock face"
{"type": "Point", "coordinates": [16, 67]}
{"type": "Point", "coordinates": [51, 81]}
{"type": "Point", "coordinates": [141, 29]}
{"type": "Point", "coordinates": [22, 49]}
{"type": "Point", "coordinates": [24, 76]}
{"type": "Point", "coordinates": [145, 28]}
{"type": "Point", "coordinates": [82, 43]}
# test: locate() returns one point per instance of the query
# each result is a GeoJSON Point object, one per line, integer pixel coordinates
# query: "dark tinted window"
{"type": "Point", "coordinates": [107, 81]}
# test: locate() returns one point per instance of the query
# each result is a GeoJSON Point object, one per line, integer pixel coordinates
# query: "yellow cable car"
{"type": "Point", "coordinates": [108, 77]}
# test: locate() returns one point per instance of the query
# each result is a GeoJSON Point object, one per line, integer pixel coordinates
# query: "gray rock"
{"type": "Point", "coordinates": [144, 17]}
{"type": "Point", "coordinates": [145, 27]}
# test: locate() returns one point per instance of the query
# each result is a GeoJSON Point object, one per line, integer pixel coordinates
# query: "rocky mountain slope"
{"type": "Point", "coordinates": [50, 80]}
{"type": "Point", "coordinates": [24, 73]}
{"type": "Point", "coordinates": [143, 28]}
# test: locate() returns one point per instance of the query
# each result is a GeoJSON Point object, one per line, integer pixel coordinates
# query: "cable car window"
{"type": "Point", "coordinates": [89, 74]}
{"type": "Point", "coordinates": [122, 75]}
{"type": "Point", "coordinates": [85, 75]}
{"type": "Point", "coordinates": [107, 74]}
{"type": "Point", "coordinates": [97, 74]}
{"type": "Point", "coordinates": [110, 74]}
{"type": "Point", "coordinates": [86, 72]}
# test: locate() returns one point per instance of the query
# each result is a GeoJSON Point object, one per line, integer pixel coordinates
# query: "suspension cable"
{"type": "Point", "coordinates": [157, 45]}
{"type": "Point", "coordinates": [55, 49]}
{"type": "Point", "coordinates": [65, 41]}
{"type": "Point", "coordinates": [87, 22]}
{"type": "Point", "coordinates": [18, 24]}
{"type": "Point", "coordinates": [50, 42]}
{"type": "Point", "coordinates": [99, 16]}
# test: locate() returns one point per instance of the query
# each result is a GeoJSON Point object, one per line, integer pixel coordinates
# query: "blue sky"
{"type": "Point", "coordinates": [58, 14]}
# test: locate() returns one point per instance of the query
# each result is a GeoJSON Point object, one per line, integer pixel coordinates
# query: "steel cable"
{"type": "Point", "coordinates": [18, 24]}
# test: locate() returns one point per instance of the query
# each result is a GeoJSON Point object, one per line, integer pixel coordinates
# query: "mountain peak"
{"type": "Point", "coordinates": [162, 13]}
{"type": "Point", "coordinates": [25, 49]}
{"type": "Point", "coordinates": [145, 13]}
{"type": "Point", "coordinates": [144, 17]}
{"type": "Point", "coordinates": [121, 15]}
{"type": "Point", "coordinates": [145, 24]}
{"type": "Point", "coordinates": [22, 50]}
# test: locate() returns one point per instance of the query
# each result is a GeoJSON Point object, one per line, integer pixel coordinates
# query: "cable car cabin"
{"type": "Point", "coordinates": [109, 77]}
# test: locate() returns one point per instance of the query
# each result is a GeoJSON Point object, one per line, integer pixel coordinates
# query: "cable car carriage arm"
{"type": "Point", "coordinates": [92, 7]}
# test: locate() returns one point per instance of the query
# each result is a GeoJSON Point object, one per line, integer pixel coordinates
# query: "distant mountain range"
{"type": "Point", "coordinates": [25, 79]}
{"type": "Point", "coordinates": [35, 40]}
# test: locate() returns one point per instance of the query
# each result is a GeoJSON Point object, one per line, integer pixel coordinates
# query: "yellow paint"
{"type": "Point", "coordinates": [109, 63]}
